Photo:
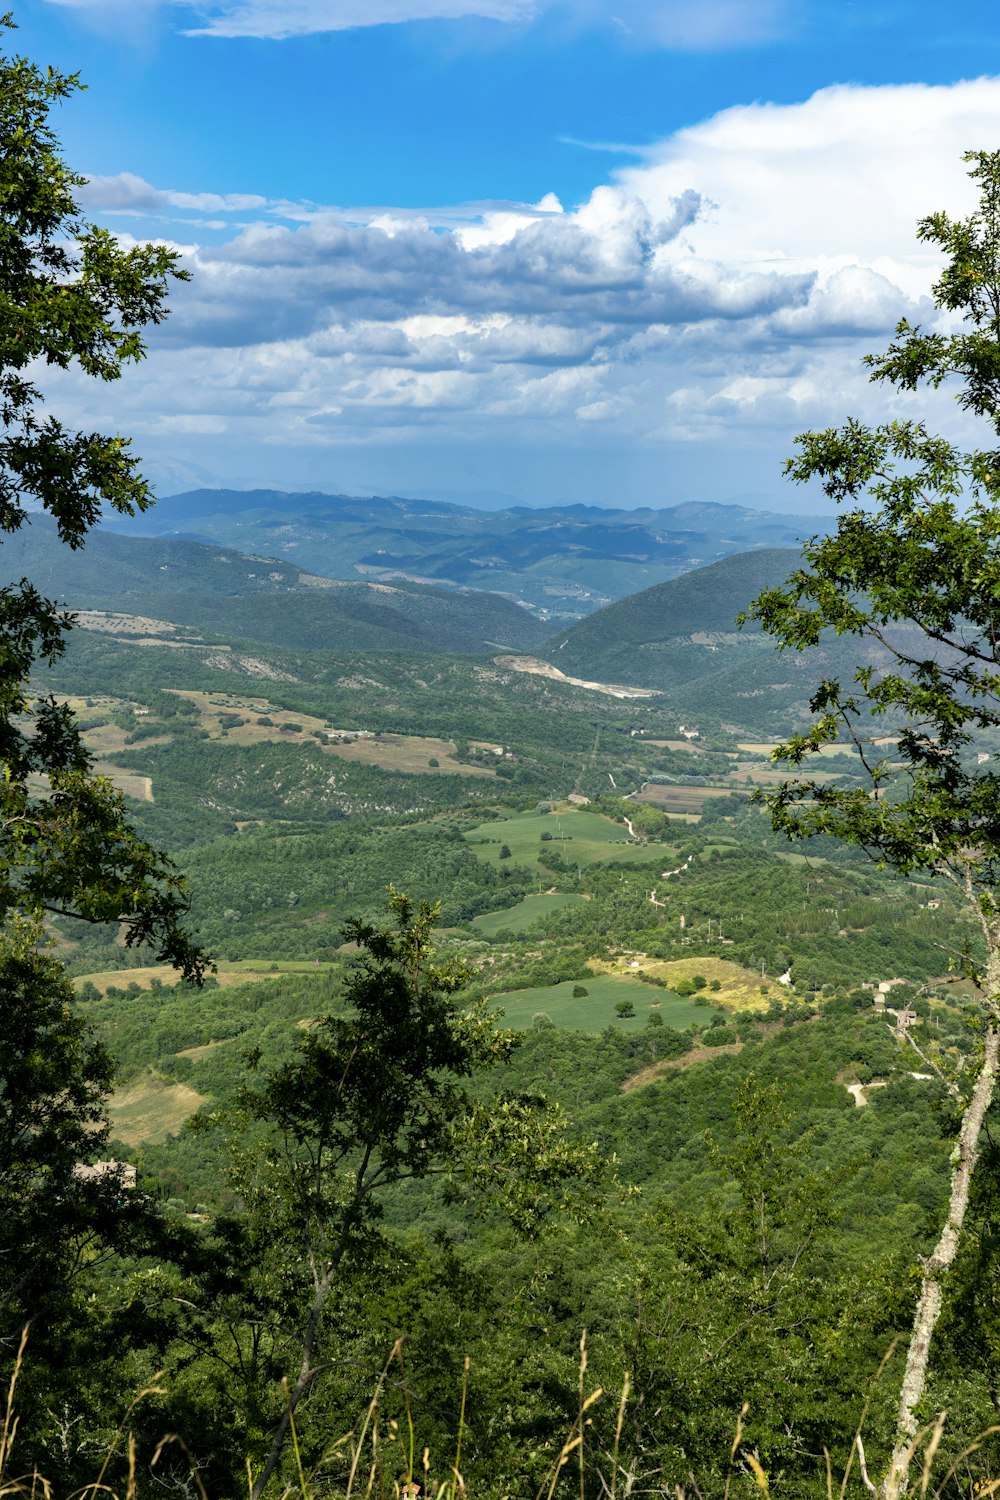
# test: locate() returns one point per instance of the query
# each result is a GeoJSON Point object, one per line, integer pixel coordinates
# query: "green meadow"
{"type": "Point", "coordinates": [579, 836]}
{"type": "Point", "coordinates": [596, 1010]}
{"type": "Point", "coordinates": [520, 917]}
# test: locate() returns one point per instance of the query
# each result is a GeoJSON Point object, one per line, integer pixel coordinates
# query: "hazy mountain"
{"type": "Point", "coordinates": [230, 593]}
{"type": "Point", "coordinates": [563, 561]}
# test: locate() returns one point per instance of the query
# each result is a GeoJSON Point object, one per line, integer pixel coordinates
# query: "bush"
{"type": "Point", "coordinates": [579, 992]}
{"type": "Point", "coordinates": [504, 851]}
{"type": "Point", "coordinates": [654, 1018]}
{"type": "Point", "coordinates": [719, 1036]}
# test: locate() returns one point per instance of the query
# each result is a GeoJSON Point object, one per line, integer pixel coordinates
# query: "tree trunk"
{"type": "Point", "coordinates": [963, 1159]}
{"type": "Point", "coordinates": [306, 1374]}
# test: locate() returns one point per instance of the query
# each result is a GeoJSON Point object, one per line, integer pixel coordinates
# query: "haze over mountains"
{"type": "Point", "coordinates": [561, 561]}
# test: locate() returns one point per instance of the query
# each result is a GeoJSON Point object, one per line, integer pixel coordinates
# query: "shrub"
{"type": "Point", "coordinates": [579, 992]}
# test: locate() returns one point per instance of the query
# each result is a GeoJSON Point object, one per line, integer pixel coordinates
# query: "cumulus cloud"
{"type": "Point", "coordinates": [720, 290]}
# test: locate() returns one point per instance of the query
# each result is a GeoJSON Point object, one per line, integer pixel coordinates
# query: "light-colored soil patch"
{"type": "Point", "coordinates": [228, 974]}
{"type": "Point", "coordinates": [206, 1048]}
{"type": "Point", "coordinates": [411, 752]}
{"type": "Point", "coordinates": [149, 1110]}
{"type": "Point", "coordinates": [130, 783]}
{"type": "Point", "coordinates": [126, 625]}
{"type": "Point", "coordinates": [540, 668]}
{"type": "Point", "coordinates": [673, 745]}
{"type": "Point", "coordinates": [766, 747]}
{"type": "Point", "coordinates": [775, 775]}
{"type": "Point", "coordinates": [391, 752]}
{"type": "Point", "coordinates": [739, 988]}
{"type": "Point", "coordinates": [678, 1064]}
{"type": "Point", "coordinates": [681, 799]}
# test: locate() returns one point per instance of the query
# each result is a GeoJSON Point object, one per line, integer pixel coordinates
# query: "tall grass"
{"type": "Point", "coordinates": [378, 1460]}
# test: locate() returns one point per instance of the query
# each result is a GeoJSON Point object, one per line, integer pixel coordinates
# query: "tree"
{"type": "Point", "coordinates": [915, 579]}
{"type": "Point", "coordinates": [373, 1098]}
{"type": "Point", "coordinates": [71, 297]}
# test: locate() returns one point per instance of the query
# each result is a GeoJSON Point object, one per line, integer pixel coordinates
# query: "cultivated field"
{"type": "Point", "coordinates": [149, 1110]}
{"type": "Point", "coordinates": [518, 918]}
{"type": "Point", "coordinates": [740, 989]}
{"type": "Point", "coordinates": [579, 836]}
{"type": "Point", "coordinates": [596, 1010]}
{"type": "Point", "coordinates": [680, 799]}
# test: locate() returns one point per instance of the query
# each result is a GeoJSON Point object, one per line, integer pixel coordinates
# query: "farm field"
{"type": "Point", "coordinates": [681, 799]}
{"type": "Point", "coordinates": [149, 1110]}
{"type": "Point", "coordinates": [228, 973]}
{"type": "Point", "coordinates": [596, 1010]}
{"type": "Point", "coordinates": [739, 988]}
{"type": "Point", "coordinates": [518, 918]}
{"type": "Point", "coordinates": [765, 747]}
{"type": "Point", "coordinates": [237, 719]}
{"type": "Point", "coordinates": [579, 836]}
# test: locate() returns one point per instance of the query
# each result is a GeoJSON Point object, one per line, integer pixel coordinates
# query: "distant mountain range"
{"type": "Point", "coordinates": [231, 594]}
{"type": "Point", "coordinates": [563, 562]}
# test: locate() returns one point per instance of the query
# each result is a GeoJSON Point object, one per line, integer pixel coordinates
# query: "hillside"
{"type": "Point", "coordinates": [253, 597]}
{"type": "Point", "coordinates": [562, 560]}
{"type": "Point", "coordinates": [682, 638]}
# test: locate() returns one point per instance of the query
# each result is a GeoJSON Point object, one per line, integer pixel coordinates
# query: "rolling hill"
{"type": "Point", "coordinates": [252, 597]}
{"type": "Point", "coordinates": [682, 638]}
{"type": "Point", "coordinates": [563, 561]}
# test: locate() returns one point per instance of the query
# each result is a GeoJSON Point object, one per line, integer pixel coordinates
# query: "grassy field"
{"type": "Point", "coordinates": [739, 988]}
{"type": "Point", "coordinates": [765, 747]}
{"type": "Point", "coordinates": [149, 1110]}
{"type": "Point", "coordinates": [392, 752]}
{"type": "Point", "coordinates": [518, 918]}
{"type": "Point", "coordinates": [228, 973]}
{"type": "Point", "coordinates": [596, 1010]}
{"type": "Point", "coordinates": [581, 837]}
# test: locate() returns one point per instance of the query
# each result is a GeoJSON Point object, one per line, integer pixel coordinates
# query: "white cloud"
{"type": "Point", "coordinates": [719, 292]}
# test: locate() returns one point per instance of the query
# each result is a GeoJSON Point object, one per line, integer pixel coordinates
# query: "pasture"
{"type": "Point", "coordinates": [579, 836]}
{"type": "Point", "coordinates": [150, 1109]}
{"type": "Point", "coordinates": [520, 917]}
{"type": "Point", "coordinates": [596, 1010]}
{"type": "Point", "coordinates": [739, 989]}
{"type": "Point", "coordinates": [241, 720]}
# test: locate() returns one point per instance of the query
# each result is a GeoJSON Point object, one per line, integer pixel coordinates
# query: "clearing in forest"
{"type": "Point", "coordinates": [580, 837]}
{"type": "Point", "coordinates": [520, 917]}
{"type": "Point", "coordinates": [596, 1010]}
{"type": "Point", "coordinates": [739, 989]}
{"type": "Point", "coordinates": [149, 1110]}
{"type": "Point", "coordinates": [242, 721]}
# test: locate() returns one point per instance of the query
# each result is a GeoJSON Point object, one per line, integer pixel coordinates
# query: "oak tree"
{"type": "Point", "coordinates": [71, 298]}
{"type": "Point", "coordinates": [912, 572]}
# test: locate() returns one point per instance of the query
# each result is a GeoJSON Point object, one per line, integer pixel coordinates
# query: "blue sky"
{"type": "Point", "coordinates": [617, 251]}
